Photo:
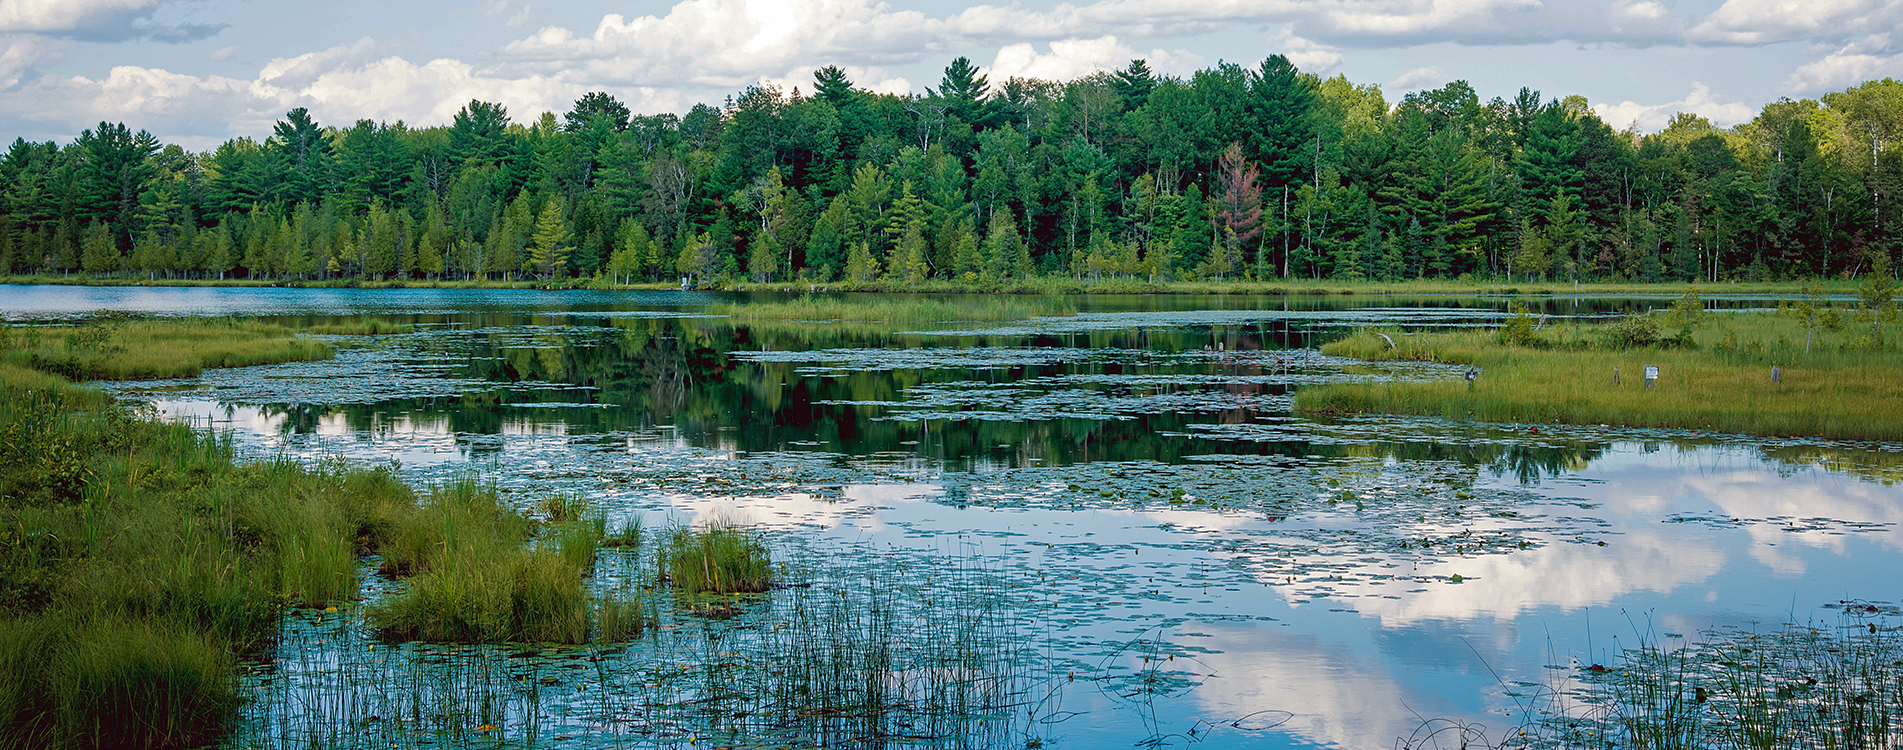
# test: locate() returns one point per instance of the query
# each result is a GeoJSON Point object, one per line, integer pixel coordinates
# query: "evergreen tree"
{"type": "Point", "coordinates": [99, 255]}
{"type": "Point", "coordinates": [549, 248]}
{"type": "Point", "coordinates": [860, 265]}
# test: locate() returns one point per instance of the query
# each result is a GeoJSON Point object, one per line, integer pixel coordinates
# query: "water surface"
{"type": "Point", "coordinates": [1187, 560]}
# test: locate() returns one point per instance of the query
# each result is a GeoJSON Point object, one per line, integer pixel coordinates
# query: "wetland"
{"type": "Point", "coordinates": [1085, 522]}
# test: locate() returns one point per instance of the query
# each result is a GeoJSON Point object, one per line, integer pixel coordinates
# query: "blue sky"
{"type": "Point", "coordinates": [198, 72]}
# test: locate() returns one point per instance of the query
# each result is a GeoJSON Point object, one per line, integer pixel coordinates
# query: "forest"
{"type": "Point", "coordinates": [1232, 173]}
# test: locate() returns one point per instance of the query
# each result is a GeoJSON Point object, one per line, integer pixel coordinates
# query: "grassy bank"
{"type": "Point", "coordinates": [139, 562]}
{"type": "Point", "coordinates": [1715, 373]}
{"type": "Point", "coordinates": [1035, 285]}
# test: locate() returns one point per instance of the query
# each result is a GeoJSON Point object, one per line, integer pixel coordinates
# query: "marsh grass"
{"type": "Point", "coordinates": [130, 349]}
{"type": "Point", "coordinates": [1798, 686]}
{"type": "Point", "coordinates": [886, 652]}
{"type": "Point", "coordinates": [137, 560]}
{"type": "Point", "coordinates": [627, 534]}
{"type": "Point", "coordinates": [1719, 379]}
{"type": "Point", "coordinates": [473, 575]}
{"type": "Point", "coordinates": [911, 310]}
{"type": "Point", "coordinates": [722, 558]}
{"type": "Point", "coordinates": [358, 327]}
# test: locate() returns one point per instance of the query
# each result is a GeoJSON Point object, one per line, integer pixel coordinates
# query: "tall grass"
{"type": "Point", "coordinates": [723, 558]}
{"type": "Point", "coordinates": [1717, 377]}
{"type": "Point", "coordinates": [1798, 686]}
{"type": "Point", "coordinates": [137, 560]}
{"type": "Point", "coordinates": [144, 349]}
{"type": "Point", "coordinates": [474, 576]}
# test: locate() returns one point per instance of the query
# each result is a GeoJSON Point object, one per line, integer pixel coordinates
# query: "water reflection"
{"type": "Point", "coordinates": [1139, 465]}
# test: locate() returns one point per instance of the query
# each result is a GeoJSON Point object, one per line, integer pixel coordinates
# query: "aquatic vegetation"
{"type": "Point", "coordinates": [358, 327]}
{"type": "Point", "coordinates": [1801, 685]}
{"type": "Point", "coordinates": [1580, 376]}
{"type": "Point", "coordinates": [472, 577]}
{"type": "Point", "coordinates": [625, 534]}
{"type": "Point", "coordinates": [126, 349]}
{"type": "Point", "coordinates": [136, 558]}
{"type": "Point", "coordinates": [722, 558]}
{"type": "Point", "coordinates": [858, 655]}
{"type": "Point", "coordinates": [910, 309]}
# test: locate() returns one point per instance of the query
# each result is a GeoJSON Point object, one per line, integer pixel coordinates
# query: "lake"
{"type": "Point", "coordinates": [1111, 521]}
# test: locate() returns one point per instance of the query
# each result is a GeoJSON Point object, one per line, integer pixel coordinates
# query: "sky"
{"type": "Point", "coordinates": [199, 72]}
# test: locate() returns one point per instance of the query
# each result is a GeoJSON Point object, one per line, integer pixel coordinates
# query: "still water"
{"type": "Point", "coordinates": [1180, 559]}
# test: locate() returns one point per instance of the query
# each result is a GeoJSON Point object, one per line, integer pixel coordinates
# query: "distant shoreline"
{"type": "Point", "coordinates": [1039, 285]}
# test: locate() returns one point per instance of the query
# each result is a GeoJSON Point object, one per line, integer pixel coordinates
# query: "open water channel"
{"type": "Point", "coordinates": [1114, 514]}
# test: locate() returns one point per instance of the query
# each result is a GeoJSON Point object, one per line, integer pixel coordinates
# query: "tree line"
{"type": "Point", "coordinates": [1230, 173]}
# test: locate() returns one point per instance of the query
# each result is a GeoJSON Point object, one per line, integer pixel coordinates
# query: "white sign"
{"type": "Point", "coordinates": [1651, 372]}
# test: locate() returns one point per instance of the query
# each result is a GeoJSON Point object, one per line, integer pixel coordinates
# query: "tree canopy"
{"type": "Point", "coordinates": [1233, 171]}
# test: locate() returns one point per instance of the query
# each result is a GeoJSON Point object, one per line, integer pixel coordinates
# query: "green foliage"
{"type": "Point", "coordinates": [1519, 329]}
{"type": "Point", "coordinates": [1260, 171]}
{"type": "Point", "coordinates": [919, 310]}
{"type": "Point", "coordinates": [473, 577]}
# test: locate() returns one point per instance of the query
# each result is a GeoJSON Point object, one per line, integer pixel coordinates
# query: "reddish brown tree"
{"type": "Point", "coordinates": [1238, 215]}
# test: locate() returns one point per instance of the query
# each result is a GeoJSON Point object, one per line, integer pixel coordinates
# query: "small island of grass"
{"type": "Point", "coordinates": [1808, 370]}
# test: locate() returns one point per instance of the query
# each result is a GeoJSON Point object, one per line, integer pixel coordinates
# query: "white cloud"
{"type": "Point", "coordinates": [64, 16]}
{"type": "Point", "coordinates": [1860, 60]}
{"type": "Point", "coordinates": [97, 20]}
{"type": "Point", "coordinates": [1417, 79]}
{"type": "Point", "coordinates": [1651, 118]}
{"type": "Point", "coordinates": [1766, 21]}
{"type": "Point", "coordinates": [700, 50]}
{"type": "Point", "coordinates": [18, 54]}
{"type": "Point", "coordinates": [1067, 60]}
{"type": "Point", "coordinates": [1307, 54]}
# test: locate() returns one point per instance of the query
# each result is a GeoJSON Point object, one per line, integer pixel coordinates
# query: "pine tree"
{"type": "Point", "coordinates": [630, 255]}
{"type": "Point", "coordinates": [825, 247]}
{"type": "Point", "coordinates": [1001, 247]}
{"type": "Point", "coordinates": [549, 248]}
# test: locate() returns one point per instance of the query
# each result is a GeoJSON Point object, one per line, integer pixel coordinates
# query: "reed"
{"type": "Point", "coordinates": [473, 575]}
{"type": "Point", "coordinates": [1801, 685]}
{"type": "Point", "coordinates": [137, 560]}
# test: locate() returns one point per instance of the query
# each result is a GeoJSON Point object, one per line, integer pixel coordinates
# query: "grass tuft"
{"type": "Point", "coordinates": [723, 558]}
{"type": "Point", "coordinates": [474, 577]}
